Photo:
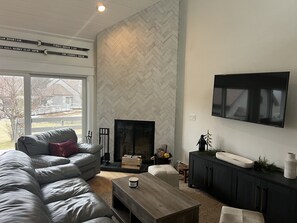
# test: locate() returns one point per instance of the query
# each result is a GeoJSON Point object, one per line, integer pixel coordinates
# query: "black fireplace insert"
{"type": "Point", "coordinates": [134, 138]}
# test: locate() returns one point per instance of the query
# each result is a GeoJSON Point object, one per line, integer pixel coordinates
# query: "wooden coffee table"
{"type": "Point", "coordinates": [152, 201]}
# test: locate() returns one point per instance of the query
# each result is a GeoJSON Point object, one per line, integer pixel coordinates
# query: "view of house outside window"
{"type": "Point", "coordinates": [55, 103]}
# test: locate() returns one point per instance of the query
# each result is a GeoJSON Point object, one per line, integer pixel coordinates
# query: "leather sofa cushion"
{"type": "Point", "coordinates": [13, 179]}
{"type": "Point", "coordinates": [17, 160]}
{"type": "Point", "coordinates": [100, 220]}
{"type": "Point", "coordinates": [22, 206]}
{"type": "Point", "coordinates": [34, 146]}
{"type": "Point", "coordinates": [55, 173]}
{"type": "Point", "coordinates": [82, 208]}
{"type": "Point", "coordinates": [40, 161]}
{"type": "Point", "coordinates": [64, 149]}
{"type": "Point", "coordinates": [64, 189]}
{"type": "Point", "coordinates": [82, 159]}
{"type": "Point", "coordinates": [58, 135]}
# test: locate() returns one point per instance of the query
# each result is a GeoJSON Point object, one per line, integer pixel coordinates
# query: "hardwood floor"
{"type": "Point", "coordinates": [101, 183]}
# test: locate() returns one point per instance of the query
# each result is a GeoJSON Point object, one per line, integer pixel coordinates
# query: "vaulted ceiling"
{"type": "Point", "coordinates": [75, 18]}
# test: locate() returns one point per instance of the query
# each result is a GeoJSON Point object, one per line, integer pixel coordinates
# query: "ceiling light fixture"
{"type": "Point", "coordinates": [101, 8]}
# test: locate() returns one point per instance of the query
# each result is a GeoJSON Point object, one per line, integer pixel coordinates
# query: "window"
{"type": "Point", "coordinates": [11, 109]}
{"type": "Point", "coordinates": [55, 103]}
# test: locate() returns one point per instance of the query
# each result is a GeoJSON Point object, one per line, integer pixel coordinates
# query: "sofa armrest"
{"type": "Point", "coordinates": [55, 173]}
{"type": "Point", "coordinates": [89, 148]}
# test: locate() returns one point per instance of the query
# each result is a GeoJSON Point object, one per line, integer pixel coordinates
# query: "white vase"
{"type": "Point", "coordinates": [290, 166]}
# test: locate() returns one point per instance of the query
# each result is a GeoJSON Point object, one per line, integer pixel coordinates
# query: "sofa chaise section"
{"type": "Point", "coordinates": [50, 194]}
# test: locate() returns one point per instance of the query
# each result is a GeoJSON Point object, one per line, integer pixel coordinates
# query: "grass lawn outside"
{"type": "Point", "coordinates": [5, 142]}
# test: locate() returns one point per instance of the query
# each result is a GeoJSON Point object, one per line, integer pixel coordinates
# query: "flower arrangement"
{"type": "Point", "coordinates": [162, 152]}
{"type": "Point", "coordinates": [162, 156]}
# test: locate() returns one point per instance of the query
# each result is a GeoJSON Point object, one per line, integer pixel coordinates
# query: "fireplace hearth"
{"type": "Point", "coordinates": [134, 137]}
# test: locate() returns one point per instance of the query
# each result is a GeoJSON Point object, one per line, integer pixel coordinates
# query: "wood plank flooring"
{"type": "Point", "coordinates": [101, 183]}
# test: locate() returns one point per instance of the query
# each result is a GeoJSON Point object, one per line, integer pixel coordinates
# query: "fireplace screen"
{"type": "Point", "coordinates": [134, 138]}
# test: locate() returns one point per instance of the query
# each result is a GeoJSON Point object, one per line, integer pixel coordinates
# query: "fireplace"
{"type": "Point", "coordinates": [134, 138]}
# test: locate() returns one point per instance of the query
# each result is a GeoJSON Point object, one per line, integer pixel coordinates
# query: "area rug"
{"type": "Point", "coordinates": [210, 208]}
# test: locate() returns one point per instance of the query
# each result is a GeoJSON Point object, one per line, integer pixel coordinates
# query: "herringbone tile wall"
{"type": "Point", "coordinates": [137, 69]}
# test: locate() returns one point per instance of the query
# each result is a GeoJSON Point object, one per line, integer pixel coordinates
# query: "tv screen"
{"type": "Point", "coordinates": [254, 97]}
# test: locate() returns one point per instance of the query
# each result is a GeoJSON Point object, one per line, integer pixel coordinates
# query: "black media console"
{"type": "Point", "coordinates": [269, 193]}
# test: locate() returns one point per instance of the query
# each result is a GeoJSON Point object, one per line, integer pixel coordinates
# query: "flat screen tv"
{"type": "Point", "coordinates": [251, 97]}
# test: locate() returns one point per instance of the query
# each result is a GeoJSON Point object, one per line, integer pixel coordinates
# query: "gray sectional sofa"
{"type": "Point", "coordinates": [37, 147]}
{"type": "Point", "coordinates": [50, 194]}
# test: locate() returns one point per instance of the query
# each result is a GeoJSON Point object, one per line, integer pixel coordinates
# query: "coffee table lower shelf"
{"type": "Point", "coordinates": [122, 213]}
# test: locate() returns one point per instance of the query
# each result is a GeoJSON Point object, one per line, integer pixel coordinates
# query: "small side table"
{"type": "Point", "coordinates": [183, 168]}
{"type": "Point", "coordinates": [186, 174]}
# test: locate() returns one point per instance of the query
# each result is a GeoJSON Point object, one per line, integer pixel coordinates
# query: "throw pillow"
{"type": "Point", "coordinates": [64, 149]}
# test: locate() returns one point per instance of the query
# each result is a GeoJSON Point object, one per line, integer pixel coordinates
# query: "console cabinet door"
{"type": "Point", "coordinates": [209, 176]}
{"type": "Point", "coordinates": [246, 191]}
{"type": "Point", "coordinates": [221, 182]}
{"type": "Point", "coordinates": [278, 203]}
{"type": "Point", "coordinates": [198, 172]}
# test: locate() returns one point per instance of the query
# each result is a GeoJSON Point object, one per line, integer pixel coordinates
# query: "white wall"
{"type": "Point", "coordinates": [235, 36]}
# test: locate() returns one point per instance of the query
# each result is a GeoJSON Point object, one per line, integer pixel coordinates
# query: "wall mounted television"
{"type": "Point", "coordinates": [252, 97]}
